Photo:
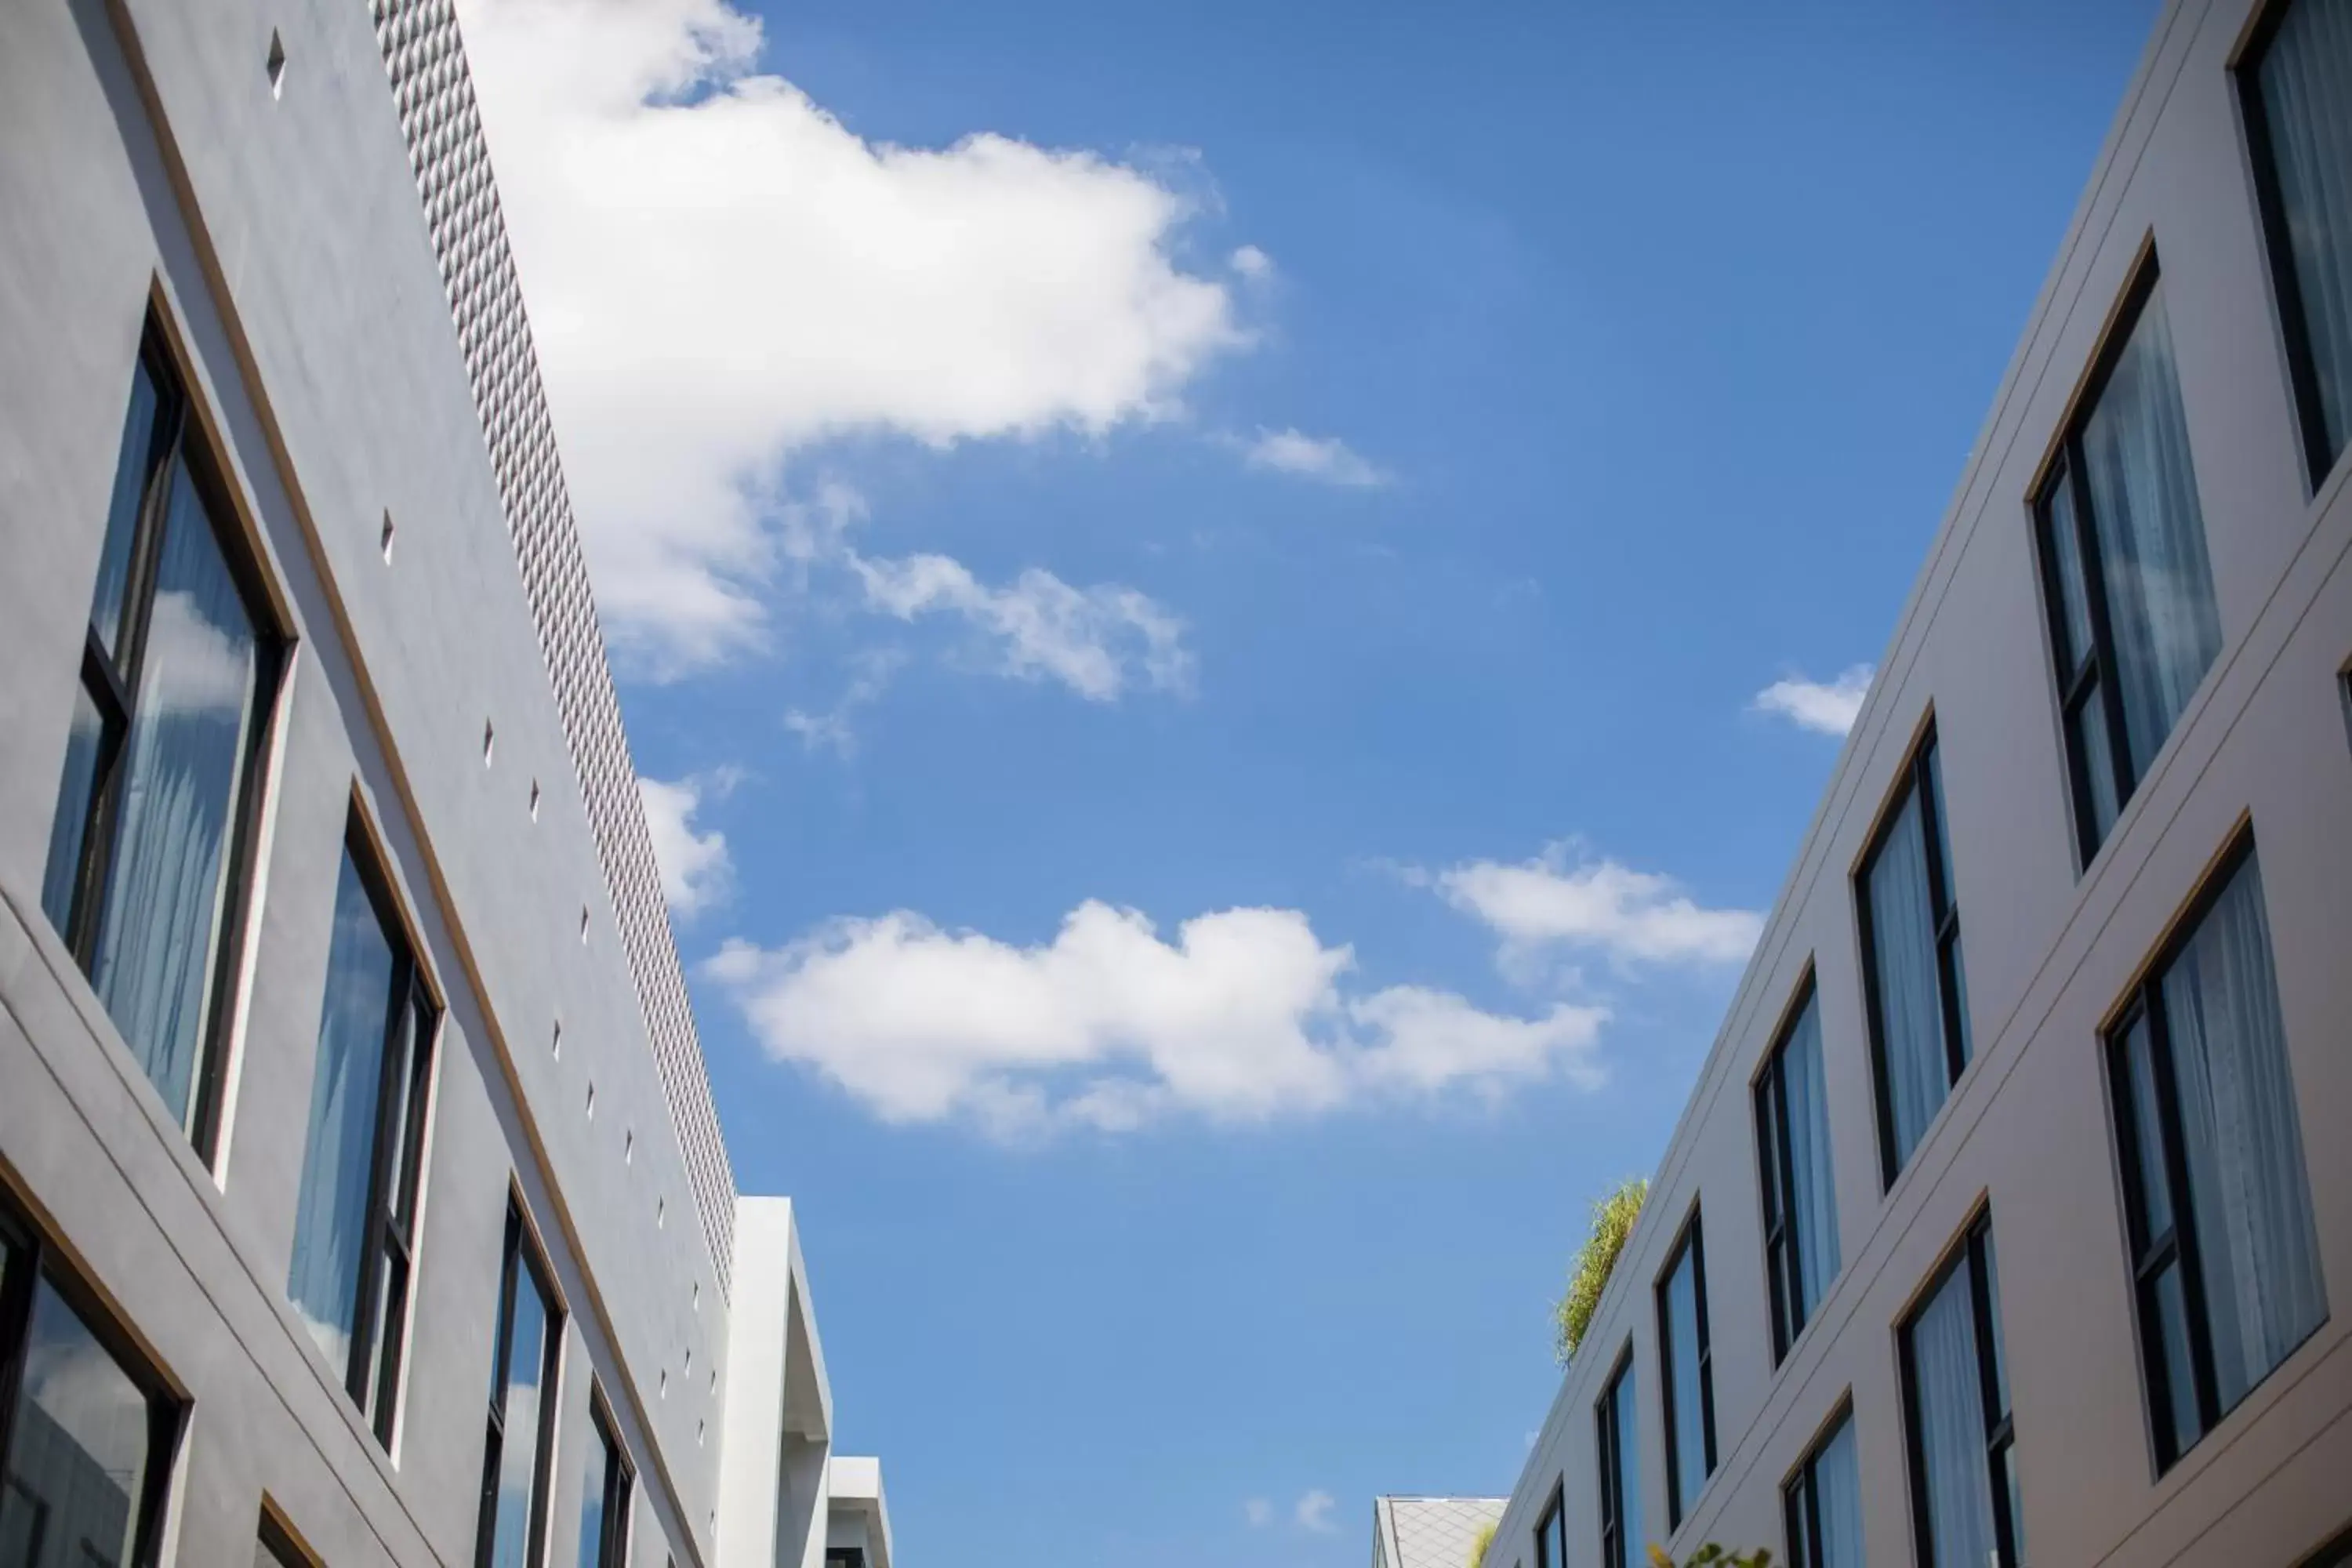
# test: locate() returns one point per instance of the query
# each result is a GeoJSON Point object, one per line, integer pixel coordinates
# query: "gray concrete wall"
{"type": "Point", "coordinates": [2049, 951]}
{"type": "Point", "coordinates": [144, 158]}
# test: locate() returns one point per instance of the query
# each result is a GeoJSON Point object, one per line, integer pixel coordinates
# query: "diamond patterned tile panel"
{"type": "Point", "coordinates": [434, 95]}
{"type": "Point", "coordinates": [1438, 1531]}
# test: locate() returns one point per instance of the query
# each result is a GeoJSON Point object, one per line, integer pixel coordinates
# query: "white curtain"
{"type": "Point", "coordinates": [1910, 1008]}
{"type": "Point", "coordinates": [184, 763]}
{"type": "Point", "coordinates": [1812, 1196]}
{"type": "Point", "coordinates": [2151, 536]}
{"type": "Point", "coordinates": [2307, 86]}
{"type": "Point", "coordinates": [2260, 1253]}
{"type": "Point", "coordinates": [1951, 1423]}
{"type": "Point", "coordinates": [339, 1154]}
{"type": "Point", "coordinates": [1837, 1491]}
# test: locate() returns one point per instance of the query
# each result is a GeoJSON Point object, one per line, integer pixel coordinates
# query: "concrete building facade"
{"type": "Point", "coordinates": [2011, 1218]}
{"type": "Point", "coordinates": [346, 1067]}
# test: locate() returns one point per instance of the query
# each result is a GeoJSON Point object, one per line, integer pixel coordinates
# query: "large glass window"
{"type": "Point", "coordinates": [1823, 1503]}
{"type": "Point", "coordinates": [1912, 969]}
{"type": "Point", "coordinates": [355, 1224]}
{"type": "Point", "coordinates": [1618, 1429]}
{"type": "Point", "coordinates": [1686, 1374]}
{"type": "Point", "coordinates": [2296, 83]}
{"type": "Point", "coordinates": [1792, 1152]}
{"type": "Point", "coordinates": [1956, 1397]}
{"type": "Point", "coordinates": [2225, 1256]}
{"type": "Point", "coordinates": [147, 849]}
{"type": "Point", "coordinates": [604, 1495]}
{"type": "Point", "coordinates": [86, 1438]}
{"type": "Point", "coordinates": [523, 1410]}
{"type": "Point", "coordinates": [1551, 1534]}
{"type": "Point", "coordinates": [2133, 625]}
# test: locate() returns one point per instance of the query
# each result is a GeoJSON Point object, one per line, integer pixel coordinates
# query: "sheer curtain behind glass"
{"type": "Point", "coordinates": [185, 758]}
{"type": "Point", "coordinates": [1950, 1417]}
{"type": "Point", "coordinates": [2305, 80]}
{"type": "Point", "coordinates": [339, 1157]}
{"type": "Point", "coordinates": [1837, 1486]}
{"type": "Point", "coordinates": [1812, 1197]}
{"type": "Point", "coordinates": [2243, 1140]}
{"type": "Point", "coordinates": [2151, 534]}
{"type": "Point", "coordinates": [1910, 1008]}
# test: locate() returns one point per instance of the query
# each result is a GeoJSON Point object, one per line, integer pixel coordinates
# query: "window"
{"type": "Point", "coordinates": [2125, 574]}
{"type": "Point", "coordinates": [2225, 1259]}
{"type": "Point", "coordinates": [1619, 1428]}
{"type": "Point", "coordinates": [1793, 1149]}
{"type": "Point", "coordinates": [86, 1433]}
{"type": "Point", "coordinates": [604, 1495]}
{"type": "Point", "coordinates": [355, 1222]}
{"type": "Point", "coordinates": [1552, 1533]}
{"type": "Point", "coordinates": [2294, 83]}
{"type": "Point", "coordinates": [1916, 984]}
{"type": "Point", "coordinates": [147, 852]}
{"type": "Point", "coordinates": [276, 1548]}
{"type": "Point", "coordinates": [843, 1557]}
{"type": "Point", "coordinates": [1683, 1369]}
{"type": "Point", "coordinates": [1956, 1396]}
{"type": "Point", "coordinates": [522, 1411]}
{"type": "Point", "coordinates": [1823, 1503]}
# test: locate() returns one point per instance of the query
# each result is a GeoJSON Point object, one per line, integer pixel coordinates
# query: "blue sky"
{"type": "Point", "coordinates": [1196, 588]}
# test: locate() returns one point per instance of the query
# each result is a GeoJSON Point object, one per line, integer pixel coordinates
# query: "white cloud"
{"type": "Point", "coordinates": [1252, 263]}
{"type": "Point", "coordinates": [1314, 1511]}
{"type": "Point", "coordinates": [1258, 1512]}
{"type": "Point", "coordinates": [1242, 1016]}
{"type": "Point", "coordinates": [719, 273]}
{"type": "Point", "coordinates": [1324, 458]}
{"type": "Point", "coordinates": [1094, 640]}
{"type": "Point", "coordinates": [831, 729]}
{"type": "Point", "coordinates": [1561, 899]}
{"type": "Point", "coordinates": [696, 869]}
{"type": "Point", "coordinates": [1826, 709]}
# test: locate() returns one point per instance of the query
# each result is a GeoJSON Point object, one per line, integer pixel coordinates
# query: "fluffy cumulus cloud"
{"type": "Point", "coordinates": [1324, 459]}
{"type": "Point", "coordinates": [1314, 1512]}
{"type": "Point", "coordinates": [1565, 902]}
{"type": "Point", "coordinates": [1242, 1014]}
{"type": "Point", "coordinates": [720, 273]}
{"type": "Point", "coordinates": [1826, 707]}
{"type": "Point", "coordinates": [696, 869]}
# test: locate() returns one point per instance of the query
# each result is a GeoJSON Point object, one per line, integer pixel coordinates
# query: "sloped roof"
{"type": "Point", "coordinates": [1431, 1531]}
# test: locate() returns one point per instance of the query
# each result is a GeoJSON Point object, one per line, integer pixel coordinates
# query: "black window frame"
{"type": "Point", "coordinates": [620, 1483]}
{"type": "Point", "coordinates": [2149, 1255]}
{"type": "Point", "coordinates": [844, 1557]}
{"type": "Point", "coordinates": [2001, 1423]}
{"type": "Point", "coordinates": [2287, 288]}
{"type": "Point", "coordinates": [1690, 1244]}
{"type": "Point", "coordinates": [523, 1257]}
{"type": "Point", "coordinates": [33, 1261]}
{"type": "Point", "coordinates": [1610, 1441]}
{"type": "Point", "coordinates": [400, 1126]}
{"type": "Point", "coordinates": [1776, 1168]}
{"type": "Point", "coordinates": [110, 680]}
{"type": "Point", "coordinates": [1800, 1498]}
{"type": "Point", "coordinates": [1919, 779]}
{"type": "Point", "coordinates": [2091, 675]}
{"type": "Point", "coordinates": [1552, 1530]}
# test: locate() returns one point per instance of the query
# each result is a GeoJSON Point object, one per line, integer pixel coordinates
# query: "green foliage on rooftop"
{"type": "Point", "coordinates": [1484, 1538]}
{"type": "Point", "coordinates": [1612, 1220]}
{"type": "Point", "coordinates": [1712, 1556]}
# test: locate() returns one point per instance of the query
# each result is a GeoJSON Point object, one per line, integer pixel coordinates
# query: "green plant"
{"type": "Point", "coordinates": [1712, 1556]}
{"type": "Point", "coordinates": [1612, 1220]}
{"type": "Point", "coordinates": [1484, 1538]}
